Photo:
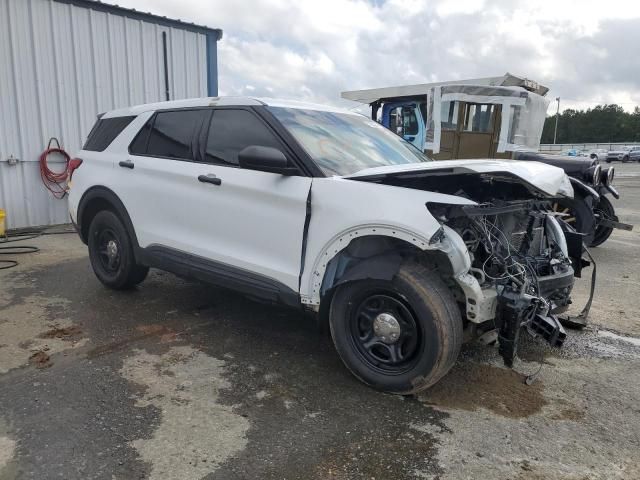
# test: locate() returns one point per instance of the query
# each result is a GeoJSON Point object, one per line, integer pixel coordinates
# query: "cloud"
{"type": "Point", "coordinates": [584, 50]}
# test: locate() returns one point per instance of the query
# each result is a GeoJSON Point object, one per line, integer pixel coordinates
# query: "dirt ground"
{"type": "Point", "coordinates": [178, 380]}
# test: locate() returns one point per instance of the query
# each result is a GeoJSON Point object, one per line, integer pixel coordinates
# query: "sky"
{"type": "Point", "coordinates": [587, 52]}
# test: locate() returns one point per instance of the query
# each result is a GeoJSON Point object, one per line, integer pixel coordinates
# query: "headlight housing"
{"type": "Point", "coordinates": [592, 175]}
{"type": "Point", "coordinates": [606, 177]}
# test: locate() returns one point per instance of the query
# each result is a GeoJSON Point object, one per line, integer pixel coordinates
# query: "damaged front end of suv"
{"type": "Point", "coordinates": [522, 270]}
{"type": "Point", "coordinates": [520, 256]}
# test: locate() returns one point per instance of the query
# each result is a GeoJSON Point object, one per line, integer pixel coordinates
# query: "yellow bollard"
{"type": "Point", "coordinates": [3, 215]}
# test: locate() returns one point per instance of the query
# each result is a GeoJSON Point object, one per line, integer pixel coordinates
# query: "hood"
{"type": "Point", "coordinates": [549, 179]}
{"type": "Point", "coordinates": [571, 165]}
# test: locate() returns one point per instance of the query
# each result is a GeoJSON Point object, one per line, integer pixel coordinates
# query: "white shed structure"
{"type": "Point", "coordinates": [62, 62]}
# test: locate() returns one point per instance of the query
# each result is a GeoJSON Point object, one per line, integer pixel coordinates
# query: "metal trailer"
{"type": "Point", "coordinates": [494, 117]}
{"type": "Point", "coordinates": [62, 62]}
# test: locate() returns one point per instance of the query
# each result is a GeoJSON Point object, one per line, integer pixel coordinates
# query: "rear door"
{"type": "Point", "coordinates": [187, 193]}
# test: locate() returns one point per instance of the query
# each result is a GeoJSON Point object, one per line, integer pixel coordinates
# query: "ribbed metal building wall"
{"type": "Point", "coordinates": [60, 65]}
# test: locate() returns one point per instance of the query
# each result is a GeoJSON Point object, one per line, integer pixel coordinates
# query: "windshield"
{"type": "Point", "coordinates": [343, 143]}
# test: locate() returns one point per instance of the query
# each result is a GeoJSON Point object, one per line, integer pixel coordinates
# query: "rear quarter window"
{"type": "Point", "coordinates": [105, 131]}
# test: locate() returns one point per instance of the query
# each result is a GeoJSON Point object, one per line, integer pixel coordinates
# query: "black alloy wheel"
{"type": "Point", "coordinates": [385, 333]}
{"type": "Point", "coordinates": [111, 252]}
{"type": "Point", "coordinates": [400, 335]}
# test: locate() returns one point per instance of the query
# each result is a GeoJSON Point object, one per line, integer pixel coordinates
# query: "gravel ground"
{"type": "Point", "coordinates": [178, 380]}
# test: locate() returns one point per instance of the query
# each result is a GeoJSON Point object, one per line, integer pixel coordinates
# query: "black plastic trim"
{"type": "Point", "coordinates": [192, 266]}
{"type": "Point", "coordinates": [101, 193]}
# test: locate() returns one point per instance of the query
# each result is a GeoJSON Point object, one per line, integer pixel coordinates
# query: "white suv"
{"type": "Point", "coordinates": [324, 209]}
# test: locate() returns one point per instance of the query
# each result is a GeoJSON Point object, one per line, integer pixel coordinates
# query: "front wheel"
{"type": "Point", "coordinates": [625, 159]}
{"type": "Point", "coordinates": [603, 210]}
{"type": "Point", "coordinates": [399, 336]}
{"type": "Point", "coordinates": [577, 214]}
{"type": "Point", "coordinates": [111, 253]}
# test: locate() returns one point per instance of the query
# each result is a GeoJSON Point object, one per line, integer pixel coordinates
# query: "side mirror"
{"type": "Point", "coordinates": [265, 159]}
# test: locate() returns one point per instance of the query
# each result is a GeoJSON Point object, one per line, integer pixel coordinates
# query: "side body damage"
{"type": "Point", "coordinates": [507, 258]}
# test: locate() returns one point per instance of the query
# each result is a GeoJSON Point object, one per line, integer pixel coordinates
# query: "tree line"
{"type": "Point", "coordinates": [601, 124]}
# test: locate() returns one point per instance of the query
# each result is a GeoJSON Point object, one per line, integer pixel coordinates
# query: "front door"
{"type": "Point", "coordinates": [202, 204]}
{"type": "Point", "coordinates": [477, 130]}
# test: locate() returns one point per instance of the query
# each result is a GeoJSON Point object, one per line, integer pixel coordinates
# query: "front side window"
{"type": "Point", "coordinates": [233, 130]}
{"type": "Point", "coordinates": [403, 121]}
{"type": "Point", "coordinates": [344, 143]}
{"type": "Point", "coordinates": [170, 134]}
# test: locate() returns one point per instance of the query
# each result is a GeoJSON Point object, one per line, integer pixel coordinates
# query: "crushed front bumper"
{"type": "Point", "coordinates": [517, 311]}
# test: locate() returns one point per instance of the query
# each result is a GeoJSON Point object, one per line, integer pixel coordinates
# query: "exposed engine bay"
{"type": "Point", "coordinates": [518, 251]}
{"type": "Point", "coordinates": [523, 258]}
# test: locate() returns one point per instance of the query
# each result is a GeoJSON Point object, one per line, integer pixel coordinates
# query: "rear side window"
{"type": "Point", "coordinates": [105, 131]}
{"type": "Point", "coordinates": [173, 134]}
{"type": "Point", "coordinates": [233, 130]}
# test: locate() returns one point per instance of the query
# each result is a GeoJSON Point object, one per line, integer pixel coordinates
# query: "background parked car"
{"type": "Point", "coordinates": [599, 154]}
{"type": "Point", "coordinates": [634, 154]}
{"type": "Point", "coordinates": [621, 154]}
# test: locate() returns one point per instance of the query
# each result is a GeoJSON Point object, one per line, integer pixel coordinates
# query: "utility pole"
{"type": "Point", "coordinates": [555, 131]}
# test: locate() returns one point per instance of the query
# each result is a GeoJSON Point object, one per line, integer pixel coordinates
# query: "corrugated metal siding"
{"type": "Point", "coordinates": [61, 65]}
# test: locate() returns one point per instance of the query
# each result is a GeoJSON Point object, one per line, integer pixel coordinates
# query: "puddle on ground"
{"type": "Point", "coordinates": [471, 386]}
{"type": "Point", "coordinates": [196, 433]}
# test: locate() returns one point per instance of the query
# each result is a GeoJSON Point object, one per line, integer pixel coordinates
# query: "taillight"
{"type": "Point", "coordinates": [74, 163]}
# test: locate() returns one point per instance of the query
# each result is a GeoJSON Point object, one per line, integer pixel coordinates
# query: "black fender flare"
{"type": "Point", "coordinates": [383, 266]}
{"type": "Point", "coordinates": [103, 194]}
{"type": "Point", "coordinates": [586, 191]}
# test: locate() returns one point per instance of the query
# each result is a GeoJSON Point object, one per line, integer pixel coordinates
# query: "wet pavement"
{"type": "Point", "coordinates": [179, 380]}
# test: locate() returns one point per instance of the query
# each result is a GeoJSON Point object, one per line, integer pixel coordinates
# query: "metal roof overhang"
{"type": "Point", "coordinates": [507, 80]}
{"type": "Point", "coordinates": [144, 16]}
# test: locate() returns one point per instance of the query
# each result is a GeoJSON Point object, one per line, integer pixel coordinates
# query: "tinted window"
{"type": "Point", "coordinates": [104, 132]}
{"type": "Point", "coordinates": [173, 133]}
{"type": "Point", "coordinates": [233, 130]}
{"type": "Point", "coordinates": [139, 144]}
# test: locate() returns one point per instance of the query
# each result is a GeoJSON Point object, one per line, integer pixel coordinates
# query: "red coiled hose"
{"type": "Point", "coordinates": [55, 182]}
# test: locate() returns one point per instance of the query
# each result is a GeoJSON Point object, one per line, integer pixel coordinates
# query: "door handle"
{"type": "Point", "coordinates": [126, 164]}
{"type": "Point", "coordinates": [211, 178]}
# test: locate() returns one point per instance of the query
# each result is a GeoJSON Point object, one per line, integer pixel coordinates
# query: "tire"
{"type": "Point", "coordinates": [605, 209]}
{"type": "Point", "coordinates": [608, 161]}
{"type": "Point", "coordinates": [428, 337]}
{"type": "Point", "coordinates": [111, 253]}
{"type": "Point", "coordinates": [580, 215]}
{"type": "Point", "coordinates": [625, 159]}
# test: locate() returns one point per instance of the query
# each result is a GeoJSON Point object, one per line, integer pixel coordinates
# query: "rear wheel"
{"type": "Point", "coordinates": [603, 210]}
{"type": "Point", "coordinates": [625, 159]}
{"type": "Point", "coordinates": [398, 336]}
{"type": "Point", "coordinates": [111, 253]}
